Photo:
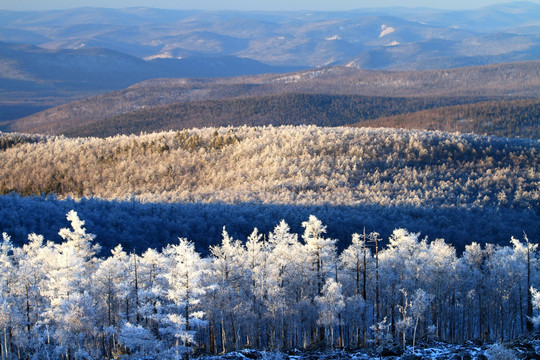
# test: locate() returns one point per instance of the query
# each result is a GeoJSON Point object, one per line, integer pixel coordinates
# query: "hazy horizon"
{"type": "Point", "coordinates": [246, 5]}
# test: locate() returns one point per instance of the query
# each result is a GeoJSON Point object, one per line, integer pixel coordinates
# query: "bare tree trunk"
{"type": "Point", "coordinates": [137, 317]}
{"type": "Point", "coordinates": [212, 338]}
{"type": "Point", "coordinates": [223, 337]}
{"type": "Point", "coordinates": [502, 320]}
{"type": "Point", "coordinates": [530, 325]}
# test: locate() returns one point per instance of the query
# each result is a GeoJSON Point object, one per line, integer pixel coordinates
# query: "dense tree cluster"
{"type": "Point", "coordinates": [138, 226]}
{"type": "Point", "coordinates": [10, 140]}
{"type": "Point", "coordinates": [277, 290]}
{"type": "Point", "coordinates": [284, 109]}
{"type": "Point", "coordinates": [508, 118]}
{"type": "Point", "coordinates": [291, 165]}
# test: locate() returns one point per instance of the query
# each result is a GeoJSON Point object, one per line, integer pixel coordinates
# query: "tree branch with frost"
{"type": "Point", "coordinates": [330, 304]}
{"type": "Point", "coordinates": [536, 303]}
{"type": "Point", "coordinates": [419, 306]}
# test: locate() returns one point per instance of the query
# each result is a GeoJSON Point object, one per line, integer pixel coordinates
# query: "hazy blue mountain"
{"type": "Point", "coordinates": [494, 18]}
{"type": "Point", "coordinates": [33, 78]}
{"type": "Point", "coordinates": [279, 38]}
{"type": "Point", "coordinates": [442, 53]}
{"type": "Point", "coordinates": [49, 58]}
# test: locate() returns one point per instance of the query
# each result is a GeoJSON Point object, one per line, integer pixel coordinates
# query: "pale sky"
{"type": "Point", "coordinates": [245, 4]}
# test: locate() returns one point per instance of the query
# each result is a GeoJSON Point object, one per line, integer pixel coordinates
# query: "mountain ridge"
{"type": "Point", "coordinates": [502, 81]}
{"type": "Point", "coordinates": [90, 51]}
{"type": "Point", "coordinates": [275, 38]}
{"type": "Point", "coordinates": [34, 77]}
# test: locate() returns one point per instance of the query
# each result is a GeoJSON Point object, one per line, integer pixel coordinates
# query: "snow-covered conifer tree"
{"type": "Point", "coordinates": [330, 303]}
{"type": "Point", "coordinates": [354, 262]}
{"type": "Point", "coordinates": [71, 312]}
{"type": "Point", "coordinates": [185, 275]}
{"type": "Point", "coordinates": [227, 263]}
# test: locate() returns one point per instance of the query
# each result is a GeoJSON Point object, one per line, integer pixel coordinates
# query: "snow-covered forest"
{"type": "Point", "coordinates": [146, 190]}
{"type": "Point", "coordinates": [138, 226]}
{"type": "Point", "coordinates": [290, 284]}
{"type": "Point", "coordinates": [281, 165]}
{"type": "Point", "coordinates": [277, 290]}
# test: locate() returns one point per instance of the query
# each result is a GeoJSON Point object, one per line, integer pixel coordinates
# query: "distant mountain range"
{"type": "Point", "coordinates": [306, 39]}
{"type": "Point", "coordinates": [48, 58]}
{"type": "Point", "coordinates": [33, 78]}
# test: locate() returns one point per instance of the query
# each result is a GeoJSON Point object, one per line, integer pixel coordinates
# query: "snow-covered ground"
{"type": "Point", "coordinates": [529, 349]}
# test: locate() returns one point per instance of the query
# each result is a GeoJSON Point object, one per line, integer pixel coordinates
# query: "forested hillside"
{"type": "Point", "coordinates": [444, 185]}
{"type": "Point", "coordinates": [451, 86]}
{"type": "Point", "coordinates": [300, 165]}
{"type": "Point", "coordinates": [278, 290]}
{"type": "Point", "coordinates": [508, 118]}
{"type": "Point", "coordinates": [285, 109]}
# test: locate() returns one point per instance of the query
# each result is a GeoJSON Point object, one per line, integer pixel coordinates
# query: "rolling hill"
{"type": "Point", "coordinates": [508, 118]}
{"type": "Point", "coordinates": [49, 58]}
{"type": "Point", "coordinates": [33, 78]}
{"type": "Point", "coordinates": [191, 183]}
{"type": "Point", "coordinates": [268, 99]}
{"type": "Point", "coordinates": [284, 109]}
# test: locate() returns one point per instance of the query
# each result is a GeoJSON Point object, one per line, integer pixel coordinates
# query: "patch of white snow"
{"type": "Point", "coordinates": [386, 30]}
{"type": "Point", "coordinates": [164, 55]}
{"type": "Point", "coordinates": [335, 37]}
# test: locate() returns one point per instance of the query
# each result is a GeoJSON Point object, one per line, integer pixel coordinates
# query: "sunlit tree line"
{"type": "Point", "coordinates": [301, 165]}
{"type": "Point", "coordinates": [279, 290]}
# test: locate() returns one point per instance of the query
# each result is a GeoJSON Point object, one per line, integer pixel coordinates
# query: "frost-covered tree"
{"type": "Point", "coordinates": [505, 276]}
{"type": "Point", "coordinates": [320, 250]}
{"type": "Point", "coordinates": [287, 260]}
{"type": "Point", "coordinates": [401, 270]}
{"type": "Point", "coordinates": [536, 304]}
{"type": "Point", "coordinates": [7, 296]}
{"type": "Point", "coordinates": [354, 262]}
{"type": "Point", "coordinates": [153, 289]}
{"type": "Point", "coordinates": [256, 283]}
{"type": "Point", "coordinates": [330, 304]}
{"type": "Point", "coordinates": [321, 256]}
{"type": "Point", "coordinates": [71, 311]}
{"type": "Point", "coordinates": [440, 277]}
{"type": "Point", "coordinates": [185, 276]}
{"type": "Point", "coordinates": [63, 301]}
{"type": "Point", "coordinates": [406, 321]}
{"type": "Point", "coordinates": [31, 277]}
{"type": "Point", "coordinates": [225, 299]}
{"type": "Point", "coordinates": [137, 339]}
{"type": "Point", "coordinates": [527, 253]}
{"type": "Point", "coordinates": [109, 283]}
{"type": "Point", "coordinates": [471, 270]}
{"type": "Point", "coordinates": [418, 308]}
